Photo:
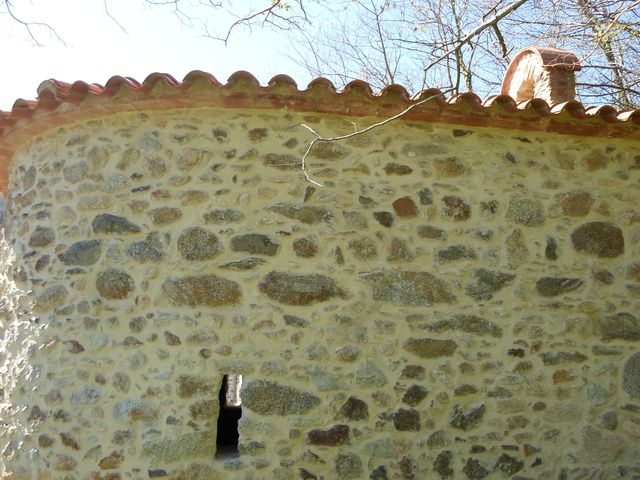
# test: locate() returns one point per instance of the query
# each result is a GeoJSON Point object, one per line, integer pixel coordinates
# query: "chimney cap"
{"type": "Point", "coordinates": [525, 73]}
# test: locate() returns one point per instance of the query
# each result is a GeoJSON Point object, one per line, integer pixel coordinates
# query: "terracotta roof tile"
{"type": "Point", "coordinates": [59, 103]}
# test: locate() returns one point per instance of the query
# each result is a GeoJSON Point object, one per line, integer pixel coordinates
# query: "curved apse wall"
{"type": "Point", "coordinates": [451, 302]}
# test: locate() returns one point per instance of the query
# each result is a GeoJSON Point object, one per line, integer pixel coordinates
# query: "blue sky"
{"type": "Point", "coordinates": [96, 48]}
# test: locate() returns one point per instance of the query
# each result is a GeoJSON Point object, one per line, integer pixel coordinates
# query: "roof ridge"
{"type": "Point", "coordinates": [52, 93]}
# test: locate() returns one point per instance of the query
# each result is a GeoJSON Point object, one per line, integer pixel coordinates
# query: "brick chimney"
{"type": "Point", "coordinates": [538, 72]}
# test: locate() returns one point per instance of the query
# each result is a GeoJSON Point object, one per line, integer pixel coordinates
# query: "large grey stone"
{"type": "Point", "coordinates": [406, 420]}
{"type": "Point", "coordinates": [442, 464]}
{"type": "Point", "coordinates": [129, 409]}
{"type": "Point", "coordinates": [42, 236]}
{"type": "Point", "coordinates": [631, 376]}
{"type": "Point", "coordinates": [554, 286]}
{"type": "Point", "coordinates": [195, 385]}
{"type": "Point", "coordinates": [408, 288]}
{"type": "Point", "coordinates": [525, 211]}
{"type": "Point", "coordinates": [601, 446]}
{"type": "Point", "coordinates": [557, 358]}
{"type": "Point", "coordinates": [348, 466]}
{"type": "Point", "coordinates": [430, 347]}
{"type": "Point", "coordinates": [107, 223]}
{"type": "Point", "coordinates": [603, 239]}
{"type": "Point", "coordinates": [76, 172]}
{"type": "Point", "coordinates": [83, 252]}
{"type": "Point", "coordinates": [416, 150]}
{"type": "Point", "coordinates": [621, 326]}
{"type": "Point", "coordinates": [487, 282]}
{"type": "Point", "coordinates": [326, 150]}
{"type": "Point", "coordinates": [308, 214]}
{"type": "Point", "coordinates": [246, 263]}
{"type": "Point", "coordinates": [458, 418]}
{"type": "Point", "coordinates": [368, 374]}
{"type": "Point", "coordinates": [221, 216]}
{"type": "Point", "coordinates": [254, 243]}
{"type": "Point", "coordinates": [466, 323]}
{"type": "Point", "coordinates": [517, 250]}
{"type": "Point", "coordinates": [183, 447]}
{"type": "Point", "coordinates": [331, 437]}
{"type": "Point", "coordinates": [197, 244]}
{"type": "Point", "coordinates": [363, 248]}
{"type": "Point", "coordinates": [507, 464]}
{"type": "Point", "coordinates": [354, 409]}
{"type": "Point", "coordinates": [165, 215]}
{"type": "Point", "coordinates": [455, 252]}
{"type": "Point", "coordinates": [193, 157]}
{"type": "Point", "coordinates": [384, 448]}
{"type": "Point", "coordinates": [114, 284]}
{"type": "Point", "coordinates": [205, 290]}
{"type": "Point", "coordinates": [292, 289]}
{"type": "Point", "coordinates": [53, 297]}
{"type": "Point", "coordinates": [148, 250]}
{"type": "Point", "coordinates": [282, 161]}
{"type": "Point", "coordinates": [474, 470]}
{"type": "Point", "coordinates": [415, 394]}
{"type": "Point", "coordinates": [267, 397]}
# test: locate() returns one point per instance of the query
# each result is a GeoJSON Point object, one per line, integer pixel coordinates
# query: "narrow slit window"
{"type": "Point", "coordinates": [230, 412]}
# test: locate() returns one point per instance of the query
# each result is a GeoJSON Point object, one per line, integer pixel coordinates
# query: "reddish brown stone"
{"type": "Point", "coordinates": [603, 239]}
{"type": "Point", "coordinates": [455, 208]}
{"type": "Point", "coordinates": [114, 284]}
{"type": "Point", "coordinates": [406, 419]}
{"type": "Point", "coordinates": [69, 441]}
{"type": "Point", "coordinates": [561, 376]}
{"type": "Point", "coordinates": [112, 461]}
{"type": "Point", "coordinates": [576, 203]}
{"type": "Point", "coordinates": [405, 207]}
{"type": "Point", "coordinates": [331, 437]}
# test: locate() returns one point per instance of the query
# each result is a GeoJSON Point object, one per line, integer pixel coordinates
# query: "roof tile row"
{"type": "Point", "coordinates": [60, 103]}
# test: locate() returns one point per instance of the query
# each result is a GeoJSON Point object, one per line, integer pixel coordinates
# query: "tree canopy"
{"type": "Point", "coordinates": [461, 45]}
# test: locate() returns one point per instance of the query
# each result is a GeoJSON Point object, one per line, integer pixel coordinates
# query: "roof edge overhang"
{"type": "Point", "coordinates": [60, 104]}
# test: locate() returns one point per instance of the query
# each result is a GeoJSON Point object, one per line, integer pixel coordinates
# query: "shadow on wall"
{"type": "Point", "coordinates": [230, 412]}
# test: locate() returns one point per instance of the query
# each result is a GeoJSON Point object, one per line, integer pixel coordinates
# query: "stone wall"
{"type": "Point", "coordinates": [450, 303]}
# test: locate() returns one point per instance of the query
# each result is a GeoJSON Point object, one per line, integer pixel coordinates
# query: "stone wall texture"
{"type": "Point", "coordinates": [450, 303]}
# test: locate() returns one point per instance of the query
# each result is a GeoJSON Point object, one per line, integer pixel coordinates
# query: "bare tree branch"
{"type": "Point", "coordinates": [320, 138]}
{"type": "Point", "coordinates": [30, 26]}
{"type": "Point", "coordinates": [479, 29]}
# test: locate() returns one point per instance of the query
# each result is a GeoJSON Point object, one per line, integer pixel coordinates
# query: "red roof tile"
{"type": "Point", "coordinates": [60, 103]}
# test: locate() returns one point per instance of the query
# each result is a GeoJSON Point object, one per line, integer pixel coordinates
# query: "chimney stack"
{"type": "Point", "coordinates": [539, 72]}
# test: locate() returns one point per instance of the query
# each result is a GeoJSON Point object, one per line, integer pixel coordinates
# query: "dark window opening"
{"type": "Point", "coordinates": [230, 413]}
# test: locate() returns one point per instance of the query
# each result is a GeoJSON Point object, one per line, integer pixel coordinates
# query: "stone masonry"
{"type": "Point", "coordinates": [452, 302]}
